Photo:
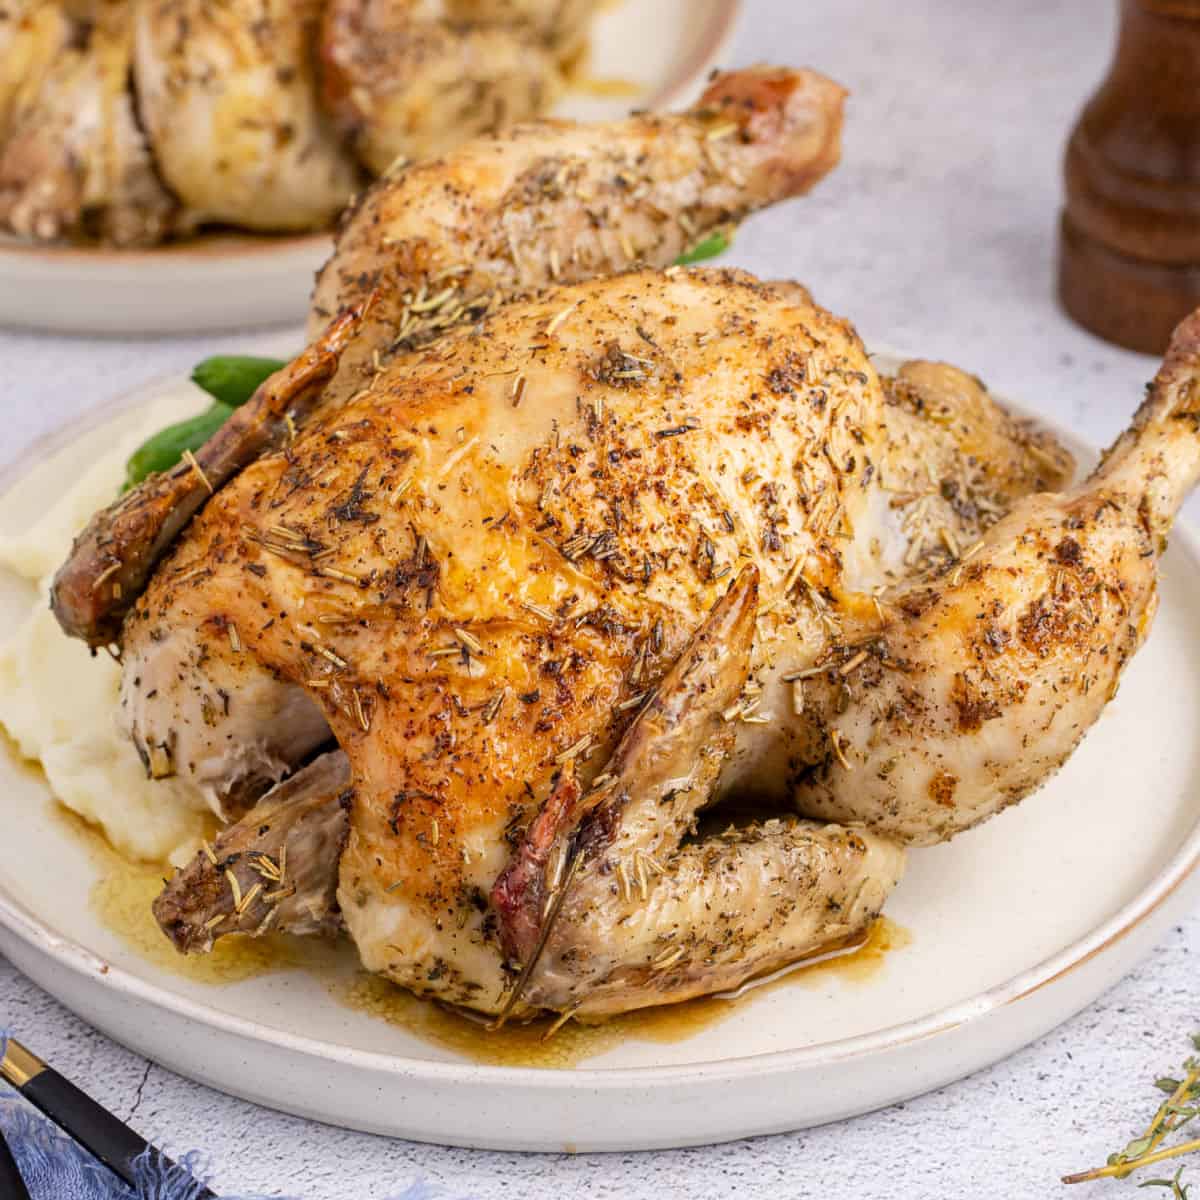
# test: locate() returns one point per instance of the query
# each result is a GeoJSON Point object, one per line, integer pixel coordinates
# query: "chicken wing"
{"type": "Point", "coordinates": [276, 869]}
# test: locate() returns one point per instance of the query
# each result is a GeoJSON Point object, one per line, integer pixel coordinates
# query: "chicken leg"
{"type": "Point", "coordinates": [558, 201]}
{"type": "Point", "coordinates": [608, 909]}
{"type": "Point", "coordinates": [980, 683]}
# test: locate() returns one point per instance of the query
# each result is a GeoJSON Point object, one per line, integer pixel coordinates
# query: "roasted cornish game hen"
{"type": "Point", "coordinates": [583, 633]}
{"type": "Point", "coordinates": [131, 121]}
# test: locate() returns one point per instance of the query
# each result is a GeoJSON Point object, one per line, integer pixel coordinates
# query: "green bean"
{"type": "Point", "coordinates": [233, 378]}
{"type": "Point", "coordinates": [709, 247]}
{"type": "Point", "coordinates": [162, 451]}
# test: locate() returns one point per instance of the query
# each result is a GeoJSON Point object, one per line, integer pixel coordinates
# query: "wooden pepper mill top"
{"type": "Point", "coordinates": [1129, 263]}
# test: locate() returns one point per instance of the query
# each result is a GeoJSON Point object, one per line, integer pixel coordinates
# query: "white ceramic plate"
{"type": "Point", "coordinates": [1014, 927]}
{"type": "Point", "coordinates": [664, 48]}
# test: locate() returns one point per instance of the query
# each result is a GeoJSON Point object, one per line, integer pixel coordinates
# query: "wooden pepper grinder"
{"type": "Point", "coordinates": [1129, 260]}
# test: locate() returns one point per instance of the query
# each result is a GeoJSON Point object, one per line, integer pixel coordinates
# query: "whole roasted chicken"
{"type": "Point", "coordinates": [582, 633]}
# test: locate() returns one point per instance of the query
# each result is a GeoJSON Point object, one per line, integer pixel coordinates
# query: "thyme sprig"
{"type": "Point", "coordinates": [1181, 1107]}
{"type": "Point", "coordinates": [1179, 1190]}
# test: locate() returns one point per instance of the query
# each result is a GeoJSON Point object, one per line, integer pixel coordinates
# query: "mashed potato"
{"type": "Point", "coordinates": [58, 702]}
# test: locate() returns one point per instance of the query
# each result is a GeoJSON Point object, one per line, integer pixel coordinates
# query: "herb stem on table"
{"type": "Point", "coordinates": [1180, 1108]}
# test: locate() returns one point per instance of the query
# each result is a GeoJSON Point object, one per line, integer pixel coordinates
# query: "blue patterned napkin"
{"type": "Point", "coordinates": [55, 1168]}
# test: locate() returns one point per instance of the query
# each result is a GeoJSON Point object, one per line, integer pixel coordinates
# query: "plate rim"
{"type": "Point", "coordinates": [234, 244]}
{"type": "Point", "coordinates": [210, 246]}
{"type": "Point", "coordinates": [81, 961]}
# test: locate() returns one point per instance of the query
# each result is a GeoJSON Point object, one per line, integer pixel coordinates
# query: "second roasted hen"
{"type": "Point", "coordinates": [127, 122]}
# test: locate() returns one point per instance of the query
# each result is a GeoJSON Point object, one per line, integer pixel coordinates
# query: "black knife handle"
{"type": "Point", "coordinates": [91, 1125]}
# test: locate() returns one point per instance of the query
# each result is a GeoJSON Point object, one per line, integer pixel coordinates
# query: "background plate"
{"type": "Point", "coordinates": [1014, 927]}
{"type": "Point", "coordinates": [663, 47]}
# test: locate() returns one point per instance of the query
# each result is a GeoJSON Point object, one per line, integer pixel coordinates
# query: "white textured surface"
{"type": "Point", "coordinates": [937, 236]}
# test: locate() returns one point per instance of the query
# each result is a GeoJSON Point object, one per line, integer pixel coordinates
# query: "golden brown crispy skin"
{"type": "Point", "coordinates": [665, 763]}
{"type": "Point", "coordinates": [129, 121]}
{"type": "Point", "coordinates": [406, 298]}
{"type": "Point", "coordinates": [113, 557]}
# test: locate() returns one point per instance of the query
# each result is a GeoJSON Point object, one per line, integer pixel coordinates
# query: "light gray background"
{"type": "Point", "coordinates": [936, 236]}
